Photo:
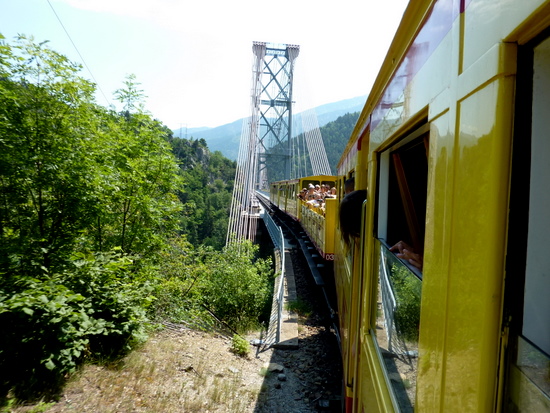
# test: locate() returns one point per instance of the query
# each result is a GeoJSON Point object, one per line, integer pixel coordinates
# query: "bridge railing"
{"type": "Point", "coordinates": [278, 239]}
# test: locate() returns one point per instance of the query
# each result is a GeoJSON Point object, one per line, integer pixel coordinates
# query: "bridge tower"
{"type": "Point", "coordinates": [272, 105]}
{"type": "Point", "coordinates": [265, 148]}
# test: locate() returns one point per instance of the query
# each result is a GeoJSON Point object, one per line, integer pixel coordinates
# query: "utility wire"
{"type": "Point", "coordinates": [77, 51]}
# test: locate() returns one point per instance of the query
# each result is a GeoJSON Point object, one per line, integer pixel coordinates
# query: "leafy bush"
{"type": "Point", "coordinates": [408, 292]}
{"type": "Point", "coordinates": [233, 284]}
{"type": "Point", "coordinates": [240, 346]}
{"type": "Point", "coordinates": [116, 301]}
{"type": "Point", "coordinates": [57, 323]}
{"type": "Point", "coordinates": [238, 287]}
{"type": "Point", "coordinates": [44, 338]}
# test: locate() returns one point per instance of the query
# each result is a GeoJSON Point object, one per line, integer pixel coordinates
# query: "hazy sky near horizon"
{"type": "Point", "coordinates": [194, 58]}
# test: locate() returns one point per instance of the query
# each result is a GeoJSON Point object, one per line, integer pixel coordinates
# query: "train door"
{"type": "Point", "coordinates": [527, 289]}
{"type": "Point", "coordinates": [402, 181]}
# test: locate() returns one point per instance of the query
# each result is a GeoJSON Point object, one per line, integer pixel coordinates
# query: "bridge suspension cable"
{"type": "Point", "coordinates": [267, 150]}
{"type": "Point", "coordinates": [315, 146]}
{"type": "Point", "coordinates": [242, 215]}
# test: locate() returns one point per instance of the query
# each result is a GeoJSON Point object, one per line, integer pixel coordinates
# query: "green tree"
{"type": "Point", "coordinates": [207, 191]}
{"type": "Point", "coordinates": [46, 175]}
{"type": "Point", "coordinates": [88, 200]}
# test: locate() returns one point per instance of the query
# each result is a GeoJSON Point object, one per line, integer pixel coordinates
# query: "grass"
{"type": "Point", "coordinates": [170, 373]}
{"type": "Point", "coordinates": [300, 307]}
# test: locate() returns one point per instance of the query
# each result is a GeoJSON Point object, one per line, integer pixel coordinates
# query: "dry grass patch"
{"type": "Point", "coordinates": [173, 372]}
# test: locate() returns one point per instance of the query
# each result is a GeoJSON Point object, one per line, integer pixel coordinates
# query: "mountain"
{"type": "Point", "coordinates": [227, 138]}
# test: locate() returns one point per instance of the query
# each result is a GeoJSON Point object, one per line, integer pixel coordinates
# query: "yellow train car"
{"type": "Point", "coordinates": [284, 195]}
{"type": "Point", "coordinates": [443, 299]}
{"type": "Point", "coordinates": [318, 219]}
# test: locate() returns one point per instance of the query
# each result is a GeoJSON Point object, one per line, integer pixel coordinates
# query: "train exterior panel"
{"type": "Point", "coordinates": [436, 147]}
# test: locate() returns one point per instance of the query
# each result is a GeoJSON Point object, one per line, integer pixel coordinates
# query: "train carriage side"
{"type": "Point", "coordinates": [452, 146]}
{"type": "Point", "coordinates": [347, 266]}
{"type": "Point", "coordinates": [283, 195]}
{"type": "Point", "coordinates": [319, 219]}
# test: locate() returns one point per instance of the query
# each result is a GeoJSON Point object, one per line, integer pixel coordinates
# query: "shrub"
{"type": "Point", "coordinates": [240, 346]}
{"type": "Point", "coordinates": [238, 286]}
{"type": "Point", "coordinates": [117, 301]}
{"type": "Point", "coordinates": [46, 338]}
{"type": "Point", "coordinates": [408, 292]}
{"type": "Point", "coordinates": [51, 326]}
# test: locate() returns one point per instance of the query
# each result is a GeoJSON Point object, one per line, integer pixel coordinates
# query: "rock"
{"type": "Point", "coordinates": [274, 367]}
{"type": "Point", "coordinates": [277, 385]}
{"type": "Point", "coordinates": [281, 377]}
{"type": "Point", "coordinates": [397, 377]}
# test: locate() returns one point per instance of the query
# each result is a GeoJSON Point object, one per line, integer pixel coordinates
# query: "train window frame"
{"type": "Point", "coordinates": [399, 283]}
{"type": "Point", "coordinates": [528, 360]}
{"type": "Point", "coordinates": [384, 188]}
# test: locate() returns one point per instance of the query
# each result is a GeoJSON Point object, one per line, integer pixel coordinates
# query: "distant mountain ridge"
{"type": "Point", "coordinates": [226, 138]}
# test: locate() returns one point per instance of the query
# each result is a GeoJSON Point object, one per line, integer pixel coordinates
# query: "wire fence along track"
{"type": "Point", "coordinates": [276, 233]}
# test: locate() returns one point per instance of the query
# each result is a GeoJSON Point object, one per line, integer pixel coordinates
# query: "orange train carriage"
{"type": "Point", "coordinates": [452, 146]}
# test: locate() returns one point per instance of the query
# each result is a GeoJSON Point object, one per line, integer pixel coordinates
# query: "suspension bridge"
{"type": "Point", "coordinates": [270, 149]}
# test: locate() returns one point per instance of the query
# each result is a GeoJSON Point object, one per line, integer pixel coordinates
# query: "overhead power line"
{"type": "Point", "coordinates": [79, 54]}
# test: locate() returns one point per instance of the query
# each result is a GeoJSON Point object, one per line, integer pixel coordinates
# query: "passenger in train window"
{"type": "Point", "coordinates": [316, 200]}
{"type": "Point", "coordinates": [350, 214]}
{"type": "Point", "coordinates": [310, 192]}
{"type": "Point", "coordinates": [405, 252]}
{"type": "Point", "coordinates": [331, 193]}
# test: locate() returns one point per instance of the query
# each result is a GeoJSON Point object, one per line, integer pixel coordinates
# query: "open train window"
{"type": "Point", "coordinates": [527, 278]}
{"type": "Point", "coordinates": [401, 204]}
{"type": "Point", "coordinates": [402, 192]}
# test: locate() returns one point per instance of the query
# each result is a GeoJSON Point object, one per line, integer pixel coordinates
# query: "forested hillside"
{"type": "Point", "coordinates": [226, 138]}
{"type": "Point", "coordinates": [207, 190]}
{"type": "Point", "coordinates": [109, 226]}
{"type": "Point", "coordinates": [335, 136]}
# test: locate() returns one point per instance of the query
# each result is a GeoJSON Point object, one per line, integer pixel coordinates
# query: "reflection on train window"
{"type": "Point", "coordinates": [397, 325]}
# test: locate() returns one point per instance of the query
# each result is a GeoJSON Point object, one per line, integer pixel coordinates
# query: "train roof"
{"type": "Point", "coordinates": [413, 18]}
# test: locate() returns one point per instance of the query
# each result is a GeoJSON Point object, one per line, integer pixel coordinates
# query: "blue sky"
{"type": "Point", "coordinates": [194, 58]}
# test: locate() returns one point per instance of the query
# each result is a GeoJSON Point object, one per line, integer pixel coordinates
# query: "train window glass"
{"type": "Point", "coordinates": [528, 287]}
{"type": "Point", "coordinates": [401, 210]}
{"type": "Point", "coordinates": [397, 325]}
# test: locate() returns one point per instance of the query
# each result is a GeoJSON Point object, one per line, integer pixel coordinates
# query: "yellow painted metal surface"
{"type": "Point", "coordinates": [467, 90]}
{"type": "Point", "coordinates": [331, 217]}
{"type": "Point", "coordinates": [464, 90]}
{"type": "Point", "coordinates": [488, 22]}
{"type": "Point", "coordinates": [342, 271]}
